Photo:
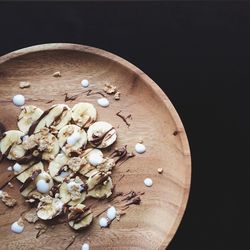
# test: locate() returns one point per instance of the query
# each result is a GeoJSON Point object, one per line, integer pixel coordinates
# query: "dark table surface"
{"type": "Point", "coordinates": [199, 54]}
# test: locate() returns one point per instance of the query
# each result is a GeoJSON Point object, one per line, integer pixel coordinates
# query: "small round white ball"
{"type": "Point", "coordinates": [74, 138]}
{"type": "Point", "coordinates": [104, 102]}
{"type": "Point", "coordinates": [16, 228]}
{"type": "Point", "coordinates": [140, 148]}
{"type": "Point", "coordinates": [85, 246]}
{"type": "Point", "coordinates": [85, 83]}
{"type": "Point", "coordinates": [18, 100]}
{"type": "Point", "coordinates": [148, 182]}
{"type": "Point", "coordinates": [111, 213]}
{"type": "Point", "coordinates": [95, 159]}
{"type": "Point", "coordinates": [42, 186]}
{"type": "Point", "coordinates": [17, 167]}
{"type": "Point", "coordinates": [103, 222]}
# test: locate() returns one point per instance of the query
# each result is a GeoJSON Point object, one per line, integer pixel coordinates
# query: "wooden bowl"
{"type": "Point", "coordinates": [150, 225]}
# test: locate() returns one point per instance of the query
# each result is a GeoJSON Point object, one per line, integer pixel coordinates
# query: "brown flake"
{"type": "Point", "coordinates": [109, 88]}
{"type": "Point", "coordinates": [57, 74]}
{"type": "Point", "coordinates": [23, 85]}
{"type": "Point", "coordinates": [117, 96]}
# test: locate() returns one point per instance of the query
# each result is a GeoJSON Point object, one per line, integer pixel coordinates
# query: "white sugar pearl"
{"type": "Point", "coordinates": [17, 167]}
{"type": "Point", "coordinates": [103, 222]}
{"type": "Point", "coordinates": [74, 138]}
{"type": "Point", "coordinates": [104, 102]}
{"type": "Point", "coordinates": [95, 159]}
{"type": "Point", "coordinates": [111, 213]}
{"type": "Point", "coordinates": [85, 83]}
{"type": "Point", "coordinates": [148, 182]}
{"type": "Point", "coordinates": [140, 148]}
{"type": "Point", "coordinates": [16, 228]}
{"type": "Point", "coordinates": [18, 100]}
{"type": "Point", "coordinates": [42, 186]}
{"type": "Point", "coordinates": [85, 246]}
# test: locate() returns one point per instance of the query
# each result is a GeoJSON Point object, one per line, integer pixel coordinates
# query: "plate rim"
{"type": "Point", "coordinates": [148, 81]}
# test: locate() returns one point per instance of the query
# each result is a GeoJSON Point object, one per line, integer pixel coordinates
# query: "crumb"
{"type": "Point", "coordinates": [23, 85]}
{"type": "Point", "coordinates": [119, 214]}
{"type": "Point", "coordinates": [160, 170]}
{"type": "Point", "coordinates": [117, 95]}
{"type": "Point", "coordinates": [109, 89]}
{"type": "Point", "coordinates": [10, 168]}
{"type": "Point", "coordinates": [10, 184]}
{"type": "Point", "coordinates": [57, 74]}
{"type": "Point", "coordinates": [140, 141]}
{"type": "Point", "coordinates": [7, 200]}
{"type": "Point", "coordinates": [31, 216]}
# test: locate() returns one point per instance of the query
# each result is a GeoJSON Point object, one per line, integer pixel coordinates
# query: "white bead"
{"type": "Point", "coordinates": [85, 246]}
{"type": "Point", "coordinates": [140, 148]}
{"type": "Point", "coordinates": [104, 102]}
{"type": "Point", "coordinates": [17, 167]}
{"type": "Point", "coordinates": [85, 83]}
{"type": "Point", "coordinates": [74, 138]}
{"type": "Point", "coordinates": [42, 186]}
{"type": "Point", "coordinates": [148, 182]}
{"type": "Point", "coordinates": [111, 213]}
{"type": "Point", "coordinates": [16, 228]}
{"type": "Point", "coordinates": [103, 222]}
{"type": "Point", "coordinates": [18, 100]}
{"type": "Point", "coordinates": [95, 159]}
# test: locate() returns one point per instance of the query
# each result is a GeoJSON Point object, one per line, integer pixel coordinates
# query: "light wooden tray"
{"type": "Point", "coordinates": [150, 225]}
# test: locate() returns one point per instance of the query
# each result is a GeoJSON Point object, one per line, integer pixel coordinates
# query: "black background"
{"type": "Point", "coordinates": [199, 54]}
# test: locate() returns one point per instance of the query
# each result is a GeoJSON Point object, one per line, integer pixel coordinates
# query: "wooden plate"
{"type": "Point", "coordinates": [150, 225]}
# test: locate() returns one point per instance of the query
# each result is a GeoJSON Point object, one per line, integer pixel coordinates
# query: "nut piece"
{"type": "Point", "coordinates": [45, 142]}
{"type": "Point", "coordinates": [10, 185]}
{"type": "Point", "coordinates": [49, 207]}
{"type": "Point", "coordinates": [75, 163]}
{"type": "Point", "coordinates": [31, 216]}
{"type": "Point", "coordinates": [73, 192]}
{"type": "Point", "coordinates": [7, 200]}
{"type": "Point", "coordinates": [117, 95]}
{"type": "Point", "coordinates": [23, 85]}
{"type": "Point", "coordinates": [160, 170]}
{"type": "Point", "coordinates": [80, 216]}
{"type": "Point", "coordinates": [57, 74]}
{"type": "Point", "coordinates": [109, 89]}
{"type": "Point", "coordinates": [106, 165]}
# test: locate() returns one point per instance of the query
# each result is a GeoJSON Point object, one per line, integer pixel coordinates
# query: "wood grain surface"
{"type": "Point", "coordinates": [150, 225]}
